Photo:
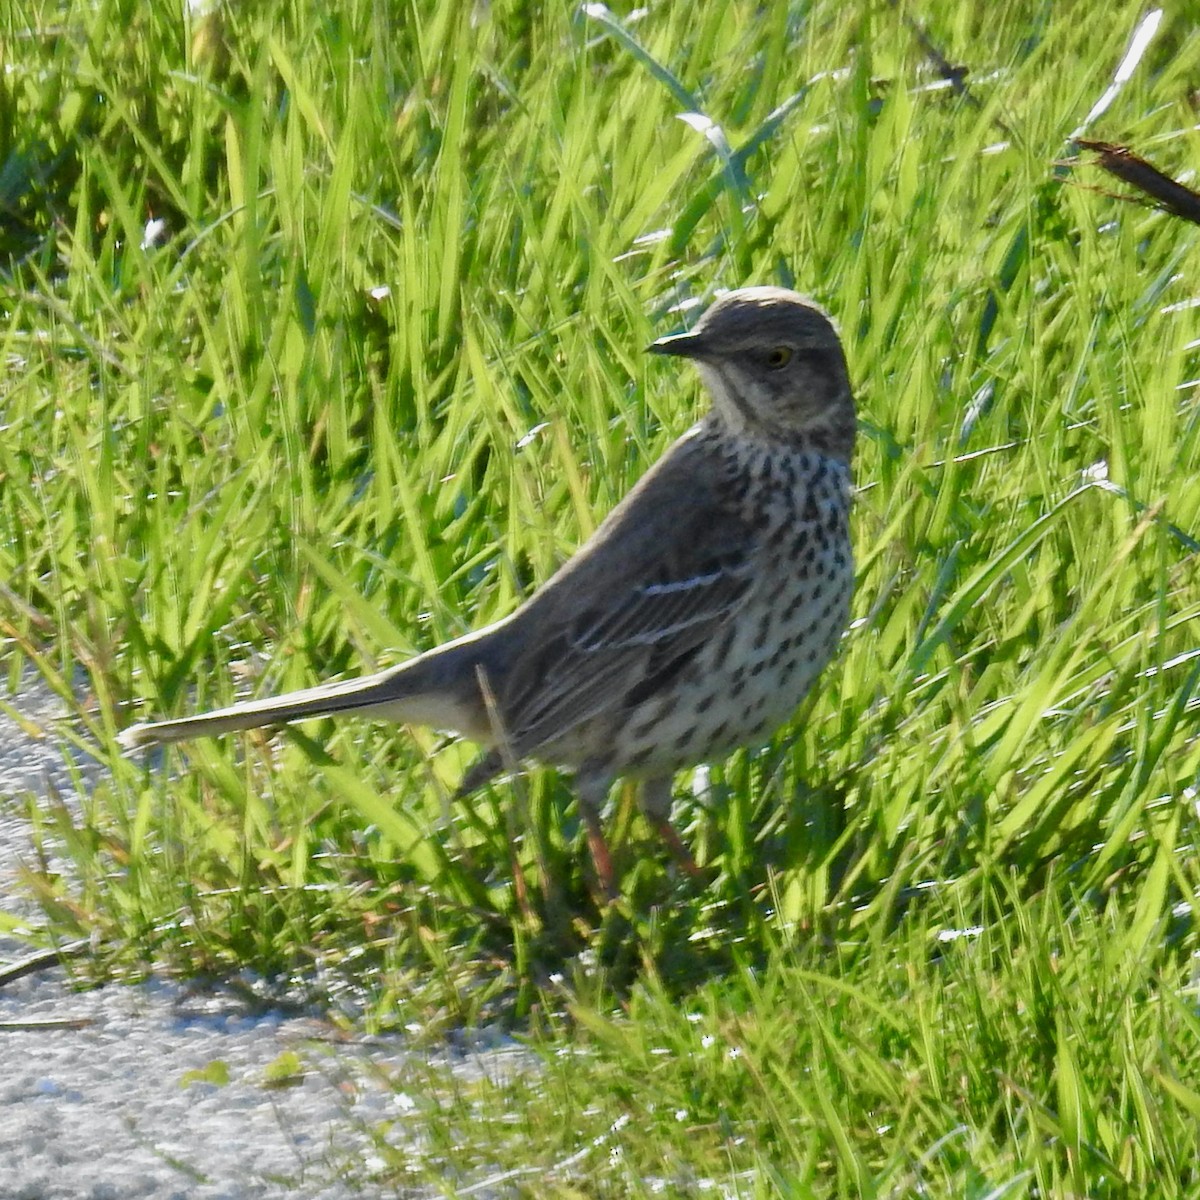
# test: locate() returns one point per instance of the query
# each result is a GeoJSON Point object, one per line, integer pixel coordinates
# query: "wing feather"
{"type": "Point", "coordinates": [668, 568]}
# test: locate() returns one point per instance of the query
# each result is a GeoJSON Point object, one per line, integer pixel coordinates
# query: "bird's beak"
{"type": "Point", "coordinates": [682, 345]}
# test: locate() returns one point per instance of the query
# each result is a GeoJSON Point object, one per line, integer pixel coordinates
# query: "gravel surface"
{"type": "Point", "coordinates": [109, 1093]}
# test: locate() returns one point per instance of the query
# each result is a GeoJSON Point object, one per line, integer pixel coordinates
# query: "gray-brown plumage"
{"type": "Point", "coordinates": [693, 621]}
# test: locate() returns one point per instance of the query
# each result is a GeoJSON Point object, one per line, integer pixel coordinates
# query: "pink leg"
{"type": "Point", "coordinates": [592, 791]}
{"type": "Point", "coordinates": [656, 804]}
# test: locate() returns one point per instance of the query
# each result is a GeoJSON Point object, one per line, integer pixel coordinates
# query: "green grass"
{"type": "Point", "coordinates": [381, 374]}
{"type": "Point", "coordinates": [1044, 1055]}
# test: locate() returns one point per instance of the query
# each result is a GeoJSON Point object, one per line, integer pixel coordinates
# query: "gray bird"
{"type": "Point", "coordinates": [692, 622]}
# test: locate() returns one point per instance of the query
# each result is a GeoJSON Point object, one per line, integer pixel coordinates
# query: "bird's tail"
{"type": "Point", "coordinates": [439, 689]}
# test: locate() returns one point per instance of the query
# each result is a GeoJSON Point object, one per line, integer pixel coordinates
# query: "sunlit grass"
{"type": "Point", "coordinates": [378, 372]}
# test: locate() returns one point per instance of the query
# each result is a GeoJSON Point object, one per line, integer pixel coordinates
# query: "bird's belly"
{"type": "Point", "coordinates": [745, 683]}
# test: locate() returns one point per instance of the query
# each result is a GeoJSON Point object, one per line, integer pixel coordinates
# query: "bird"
{"type": "Point", "coordinates": [691, 623]}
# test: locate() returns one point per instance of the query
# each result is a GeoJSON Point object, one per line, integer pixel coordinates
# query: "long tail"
{"type": "Point", "coordinates": [439, 689]}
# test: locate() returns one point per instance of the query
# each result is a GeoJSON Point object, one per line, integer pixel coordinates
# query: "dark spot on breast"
{"type": "Point", "coordinates": [781, 652]}
{"type": "Point", "coordinates": [829, 608]}
{"type": "Point", "coordinates": [797, 601]}
{"type": "Point", "coordinates": [642, 728]}
{"type": "Point", "coordinates": [684, 740]}
{"type": "Point", "coordinates": [764, 628]}
{"type": "Point", "coordinates": [726, 642]}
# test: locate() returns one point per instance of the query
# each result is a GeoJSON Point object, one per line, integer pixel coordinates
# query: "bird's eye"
{"type": "Point", "coordinates": [779, 357]}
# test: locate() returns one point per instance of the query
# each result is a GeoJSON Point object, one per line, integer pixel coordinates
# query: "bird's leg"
{"type": "Point", "coordinates": [592, 789]}
{"type": "Point", "coordinates": [656, 804]}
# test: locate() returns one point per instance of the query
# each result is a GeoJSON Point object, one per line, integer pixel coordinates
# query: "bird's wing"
{"type": "Point", "coordinates": [669, 568]}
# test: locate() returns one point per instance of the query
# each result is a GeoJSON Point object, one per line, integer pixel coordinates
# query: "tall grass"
{"type": "Point", "coordinates": [377, 373]}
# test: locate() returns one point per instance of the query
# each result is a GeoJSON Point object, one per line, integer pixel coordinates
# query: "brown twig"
{"type": "Point", "coordinates": [1169, 194]}
{"type": "Point", "coordinates": [41, 1025]}
{"type": "Point", "coordinates": [43, 960]}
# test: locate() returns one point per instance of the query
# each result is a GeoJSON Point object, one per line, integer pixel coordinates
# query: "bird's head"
{"type": "Point", "coordinates": [774, 366]}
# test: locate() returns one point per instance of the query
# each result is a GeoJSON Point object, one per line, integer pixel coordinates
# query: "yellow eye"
{"type": "Point", "coordinates": [779, 357]}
